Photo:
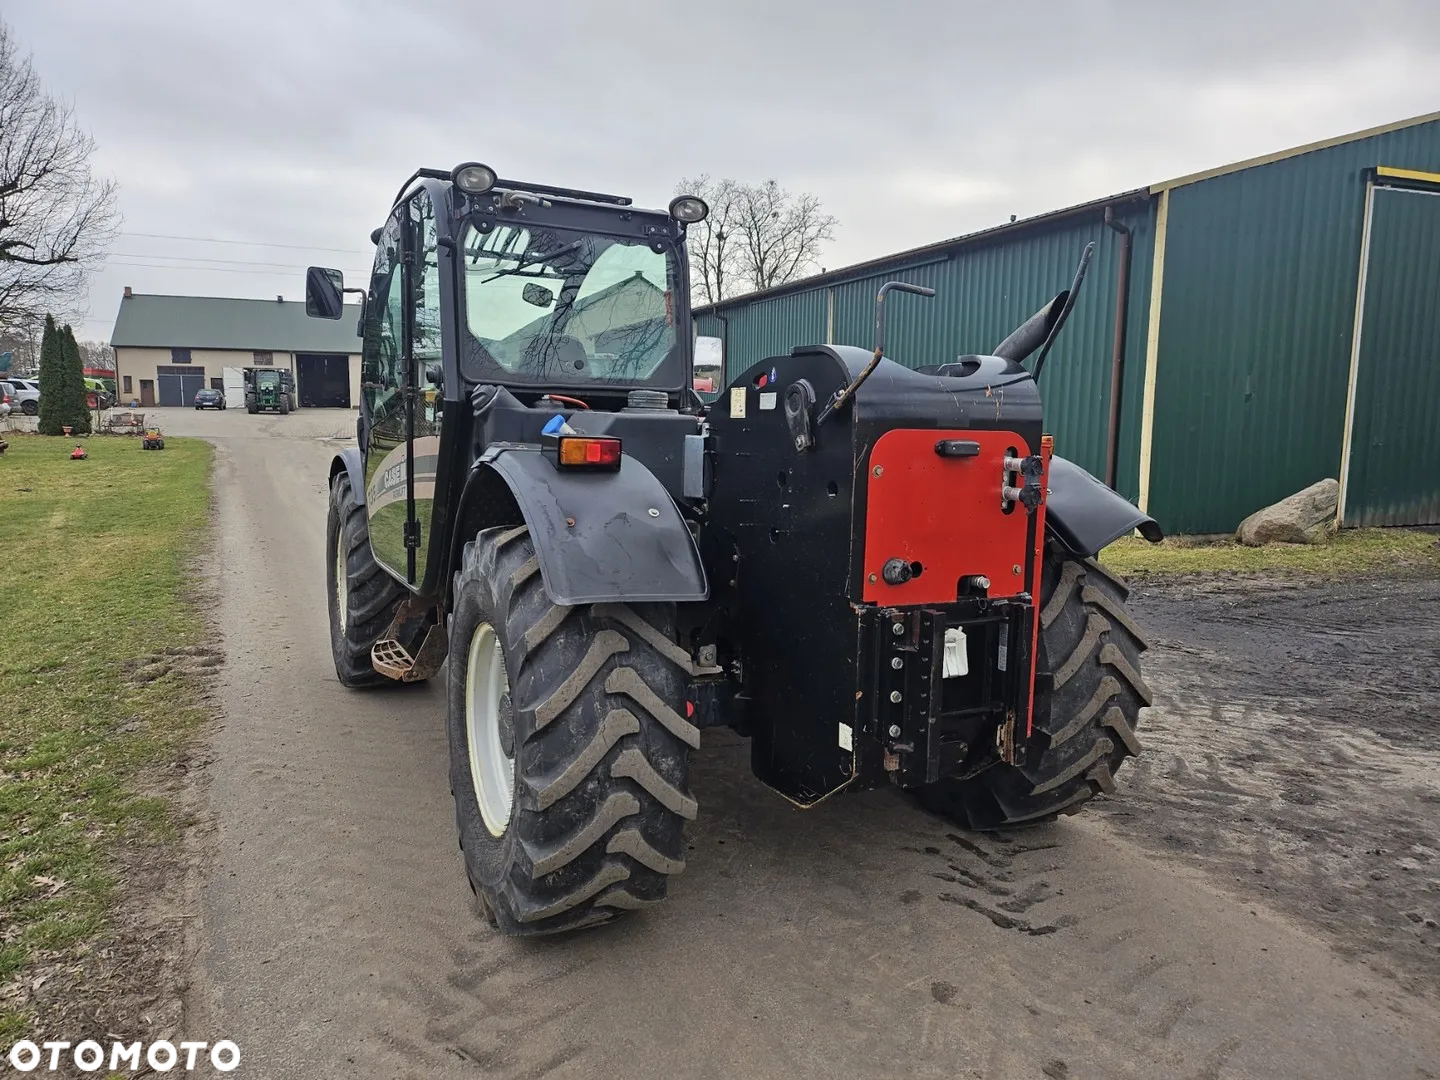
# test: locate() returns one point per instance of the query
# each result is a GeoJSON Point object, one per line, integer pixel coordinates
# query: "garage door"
{"type": "Point", "coordinates": [177, 385]}
{"type": "Point", "coordinates": [1393, 460]}
{"type": "Point", "coordinates": [324, 380]}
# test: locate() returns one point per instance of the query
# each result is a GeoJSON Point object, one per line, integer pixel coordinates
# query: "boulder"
{"type": "Point", "coordinates": [1306, 517]}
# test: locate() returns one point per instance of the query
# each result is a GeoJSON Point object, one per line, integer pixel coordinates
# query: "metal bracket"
{"type": "Point", "coordinates": [799, 400]}
{"type": "Point", "coordinates": [1005, 740]}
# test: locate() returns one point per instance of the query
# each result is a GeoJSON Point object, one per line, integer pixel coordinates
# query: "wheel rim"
{"type": "Point", "coordinates": [487, 707]}
{"type": "Point", "coordinates": [342, 583]}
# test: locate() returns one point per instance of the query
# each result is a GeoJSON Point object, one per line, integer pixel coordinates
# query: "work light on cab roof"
{"type": "Point", "coordinates": [473, 178]}
{"type": "Point", "coordinates": [689, 209]}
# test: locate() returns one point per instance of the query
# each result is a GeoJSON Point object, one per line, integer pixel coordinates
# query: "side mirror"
{"type": "Point", "coordinates": [324, 293]}
{"type": "Point", "coordinates": [537, 295]}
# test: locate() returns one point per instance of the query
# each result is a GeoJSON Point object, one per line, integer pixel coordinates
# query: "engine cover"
{"type": "Point", "coordinates": [942, 518]}
{"type": "Point", "coordinates": [798, 522]}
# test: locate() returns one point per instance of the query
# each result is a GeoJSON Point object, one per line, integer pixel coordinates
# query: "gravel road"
{"type": "Point", "coordinates": [864, 938]}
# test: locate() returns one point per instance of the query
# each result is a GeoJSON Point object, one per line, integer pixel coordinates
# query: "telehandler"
{"type": "Point", "coordinates": [879, 575]}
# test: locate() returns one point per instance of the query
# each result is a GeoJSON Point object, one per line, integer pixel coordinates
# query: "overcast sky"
{"type": "Point", "coordinates": [291, 123]}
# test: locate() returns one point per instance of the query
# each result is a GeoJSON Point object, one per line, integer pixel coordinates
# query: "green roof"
{"type": "Point", "coordinates": [217, 322]}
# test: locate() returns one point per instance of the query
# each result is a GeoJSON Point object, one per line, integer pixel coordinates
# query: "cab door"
{"type": "Point", "coordinates": [385, 373]}
{"type": "Point", "coordinates": [427, 374]}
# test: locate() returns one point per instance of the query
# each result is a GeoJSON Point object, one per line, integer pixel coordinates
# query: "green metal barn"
{"type": "Point", "coordinates": [1279, 322]}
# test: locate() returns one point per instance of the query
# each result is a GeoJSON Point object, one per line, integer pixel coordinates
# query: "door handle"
{"type": "Point", "coordinates": [957, 448]}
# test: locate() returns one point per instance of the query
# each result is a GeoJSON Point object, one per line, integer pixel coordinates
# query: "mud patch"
{"type": "Point", "coordinates": [187, 660]}
{"type": "Point", "coordinates": [1294, 753]}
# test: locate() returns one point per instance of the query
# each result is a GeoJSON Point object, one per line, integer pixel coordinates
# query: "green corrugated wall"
{"type": "Point", "coordinates": [1254, 344]}
{"type": "Point", "coordinates": [766, 327]}
{"type": "Point", "coordinates": [1395, 448]}
{"type": "Point", "coordinates": [1257, 314]}
{"type": "Point", "coordinates": [984, 289]}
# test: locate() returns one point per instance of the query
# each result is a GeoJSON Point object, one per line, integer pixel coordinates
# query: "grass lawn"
{"type": "Point", "coordinates": [1350, 551]}
{"type": "Point", "coordinates": [95, 587]}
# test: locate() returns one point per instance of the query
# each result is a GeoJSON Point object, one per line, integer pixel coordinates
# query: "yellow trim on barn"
{"type": "Point", "coordinates": [1389, 172]}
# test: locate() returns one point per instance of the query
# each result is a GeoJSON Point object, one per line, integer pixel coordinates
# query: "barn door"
{"type": "Point", "coordinates": [1392, 458]}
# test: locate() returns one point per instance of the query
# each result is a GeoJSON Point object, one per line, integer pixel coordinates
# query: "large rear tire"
{"type": "Point", "coordinates": [1089, 694]}
{"type": "Point", "coordinates": [363, 597]}
{"type": "Point", "coordinates": [568, 745]}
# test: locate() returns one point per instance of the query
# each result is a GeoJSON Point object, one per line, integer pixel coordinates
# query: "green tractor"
{"type": "Point", "coordinates": [269, 390]}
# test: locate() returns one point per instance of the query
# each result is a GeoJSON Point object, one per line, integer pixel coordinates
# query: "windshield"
{"type": "Point", "coordinates": [561, 308]}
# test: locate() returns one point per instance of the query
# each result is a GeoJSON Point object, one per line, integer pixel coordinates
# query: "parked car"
{"type": "Point", "coordinates": [25, 394]}
{"type": "Point", "coordinates": [210, 399]}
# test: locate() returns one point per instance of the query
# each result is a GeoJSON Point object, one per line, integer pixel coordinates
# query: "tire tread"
{"type": "Point", "coordinates": [373, 595]}
{"type": "Point", "coordinates": [601, 780]}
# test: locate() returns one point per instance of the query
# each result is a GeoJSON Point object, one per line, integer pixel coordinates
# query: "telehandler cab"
{"type": "Point", "coordinates": [879, 575]}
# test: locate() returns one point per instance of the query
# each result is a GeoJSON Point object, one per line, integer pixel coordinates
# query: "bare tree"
{"type": "Point", "coordinates": [56, 217]}
{"type": "Point", "coordinates": [756, 237]}
{"type": "Point", "coordinates": [714, 243]}
{"type": "Point", "coordinates": [97, 355]}
{"type": "Point", "coordinates": [781, 234]}
{"type": "Point", "coordinates": [21, 338]}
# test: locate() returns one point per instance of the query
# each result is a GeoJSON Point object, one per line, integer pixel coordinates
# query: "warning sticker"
{"type": "Point", "coordinates": [737, 402]}
{"type": "Point", "coordinates": [767, 401]}
{"type": "Point", "coordinates": [847, 737]}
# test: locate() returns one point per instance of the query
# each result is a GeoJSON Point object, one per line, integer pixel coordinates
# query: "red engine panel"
{"type": "Point", "coordinates": [946, 515]}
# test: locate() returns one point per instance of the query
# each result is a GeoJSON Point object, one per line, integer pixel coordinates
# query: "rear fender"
{"type": "Point", "coordinates": [350, 461]}
{"type": "Point", "coordinates": [599, 536]}
{"type": "Point", "coordinates": [1084, 515]}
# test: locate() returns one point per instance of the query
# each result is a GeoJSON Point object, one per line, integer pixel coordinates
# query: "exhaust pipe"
{"type": "Point", "coordinates": [1072, 294]}
{"type": "Point", "coordinates": [1041, 329]}
{"type": "Point", "coordinates": [1031, 334]}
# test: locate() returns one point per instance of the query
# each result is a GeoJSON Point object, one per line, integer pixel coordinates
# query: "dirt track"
{"type": "Point", "coordinates": [863, 938]}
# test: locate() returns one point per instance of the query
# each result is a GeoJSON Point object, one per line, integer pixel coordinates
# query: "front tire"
{"type": "Point", "coordinates": [585, 707]}
{"type": "Point", "coordinates": [1088, 698]}
{"type": "Point", "coordinates": [363, 597]}
{"type": "Point", "coordinates": [29, 408]}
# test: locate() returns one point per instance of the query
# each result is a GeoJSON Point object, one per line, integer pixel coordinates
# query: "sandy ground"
{"type": "Point", "coordinates": [864, 938]}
